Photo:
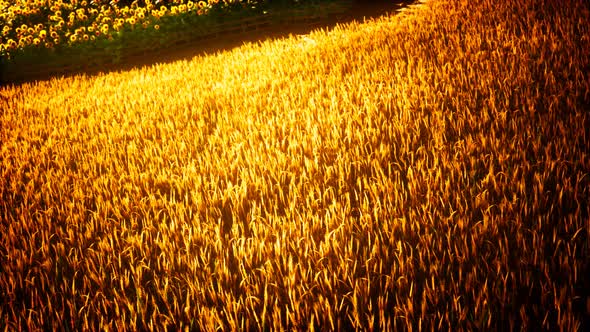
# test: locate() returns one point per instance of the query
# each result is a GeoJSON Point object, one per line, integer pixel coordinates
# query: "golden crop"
{"type": "Point", "coordinates": [423, 171]}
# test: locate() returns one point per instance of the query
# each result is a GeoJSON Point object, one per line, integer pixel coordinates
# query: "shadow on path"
{"type": "Point", "coordinates": [358, 11]}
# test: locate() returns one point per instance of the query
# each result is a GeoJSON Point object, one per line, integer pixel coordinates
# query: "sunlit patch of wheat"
{"type": "Point", "coordinates": [411, 171]}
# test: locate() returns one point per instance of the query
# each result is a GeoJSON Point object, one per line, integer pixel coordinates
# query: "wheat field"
{"type": "Point", "coordinates": [427, 170]}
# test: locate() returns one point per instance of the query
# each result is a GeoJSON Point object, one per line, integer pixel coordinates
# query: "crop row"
{"type": "Point", "coordinates": [42, 38]}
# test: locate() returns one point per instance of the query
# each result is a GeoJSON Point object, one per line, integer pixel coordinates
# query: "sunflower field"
{"type": "Point", "coordinates": [48, 23]}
